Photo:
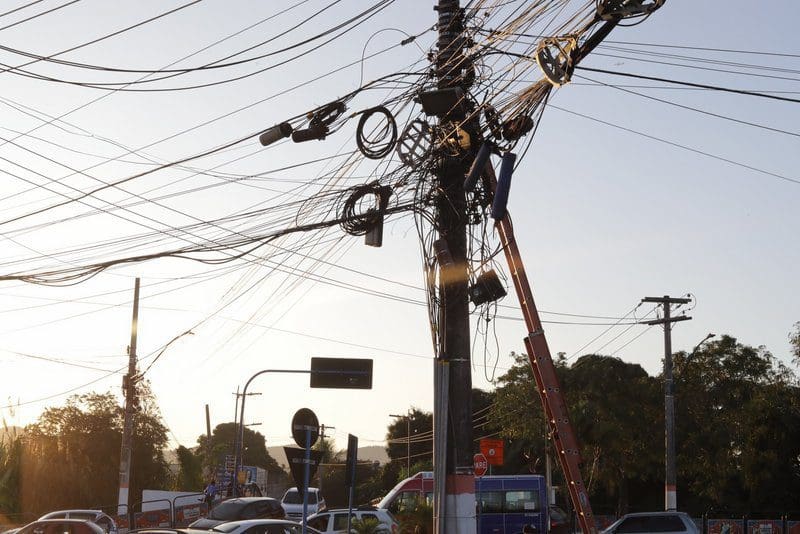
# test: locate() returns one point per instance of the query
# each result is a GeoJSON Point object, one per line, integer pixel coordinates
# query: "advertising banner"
{"type": "Point", "coordinates": [765, 526]}
{"type": "Point", "coordinates": [725, 526]}
{"type": "Point", "coordinates": [152, 519]}
{"type": "Point", "coordinates": [123, 523]}
{"type": "Point", "coordinates": [188, 513]}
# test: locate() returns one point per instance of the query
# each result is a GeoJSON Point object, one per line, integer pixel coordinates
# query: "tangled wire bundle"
{"type": "Point", "coordinates": [358, 217]}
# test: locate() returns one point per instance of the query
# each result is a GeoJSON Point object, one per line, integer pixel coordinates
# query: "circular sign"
{"type": "Point", "coordinates": [480, 464]}
{"type": "Point", "coordinates": [305, 420]}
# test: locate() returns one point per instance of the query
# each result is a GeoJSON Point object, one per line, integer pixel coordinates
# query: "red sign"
{"type": "Point", "coordinates": [493, 450]}
{"type": "Point", "coordinates": [480, 464]}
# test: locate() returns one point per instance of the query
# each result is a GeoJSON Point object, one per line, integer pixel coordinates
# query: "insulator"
{"type": "Point", "coordinates": [478, 165]}
{"type": "Point", "coordinates": [276, 133]}
{"type": "Point", "coordinates": [503, 186]}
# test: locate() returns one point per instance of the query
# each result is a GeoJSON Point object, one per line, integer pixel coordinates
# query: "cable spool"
{"type": "Point", "coordinates": [554, 57]}
{"type": "Point", "coordinates": [377, 146]}
{"type": "Point", "coordinates": [357, 217]}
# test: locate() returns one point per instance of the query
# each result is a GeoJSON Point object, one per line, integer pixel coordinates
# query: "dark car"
{"type": "Point", "coordinates": [241, 508]}
{"type": "Point", "coordinates": [559, 520]}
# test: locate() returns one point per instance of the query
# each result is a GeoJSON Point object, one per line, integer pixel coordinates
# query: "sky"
{"type": "Point", "coordinates": [630, 188]}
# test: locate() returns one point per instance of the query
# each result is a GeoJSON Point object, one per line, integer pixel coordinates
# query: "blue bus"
{"type": "Point", "coordinates": [505, 503]}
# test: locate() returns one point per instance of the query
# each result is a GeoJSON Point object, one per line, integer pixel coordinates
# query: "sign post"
{"type": "Point", "coordinates": [479, 464]}
{"type": "Point", "coordinates": [305, 431]}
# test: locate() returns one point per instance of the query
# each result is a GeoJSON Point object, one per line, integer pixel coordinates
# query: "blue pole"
{"type": "Point", "coordinates": [306, 477]}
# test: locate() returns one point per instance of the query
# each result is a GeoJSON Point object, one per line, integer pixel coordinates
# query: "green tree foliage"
{"type": "Point", "coordinates": [794, 339]}
{"type": "Point", "coordinates": [616, 414]}
{"type": "Point", "coordinates": [10, 463]}
{"type": "Point", "coordinates": [738, 428]}
{"type": "Point", "coordinates": [190, 473]}
{"type": "Point", "coordinates": [254, 451]}
{"type": "Point", "coordinates": [74, 452]}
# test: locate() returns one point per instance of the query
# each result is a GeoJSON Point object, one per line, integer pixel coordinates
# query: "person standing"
{"type": "Point", "coordinates": [210, 493]}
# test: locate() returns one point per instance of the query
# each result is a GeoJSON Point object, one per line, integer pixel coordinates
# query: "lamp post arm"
{"type": "Point", "coordinates": [239, 460]}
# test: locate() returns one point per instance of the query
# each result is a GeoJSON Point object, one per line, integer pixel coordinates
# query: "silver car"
{"type": "Point", "coordinates": [653, 522]}
{"type": "Point", "coordinates": [98, 517]}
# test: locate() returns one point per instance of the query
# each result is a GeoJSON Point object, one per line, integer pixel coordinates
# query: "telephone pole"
{"type": "Point", "coordinates": [129, 391]}
{"type": "Point", "coordinates": [670, 482]}
{"type": "Point", "coordinates": [453, 444]}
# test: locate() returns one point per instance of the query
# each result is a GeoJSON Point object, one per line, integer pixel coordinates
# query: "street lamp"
{"type": "Point", "coordinates": [408, 440]}
{"type": "Point", "coordinates": [708, 336]}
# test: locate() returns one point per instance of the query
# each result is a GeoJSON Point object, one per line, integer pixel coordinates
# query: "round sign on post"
{"type": "Point", "coordinates": [480, 464]}
{"type": "Point", "coordinates": [304, 419]}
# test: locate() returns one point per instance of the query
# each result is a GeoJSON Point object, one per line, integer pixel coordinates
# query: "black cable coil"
{"type": "Point", "coordinates": [359, 221]}
{"type": "Point", "coordinates": [376, 145]}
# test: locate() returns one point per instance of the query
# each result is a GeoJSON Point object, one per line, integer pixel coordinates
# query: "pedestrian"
{"type": "Point", "coordinates": [210, 493]}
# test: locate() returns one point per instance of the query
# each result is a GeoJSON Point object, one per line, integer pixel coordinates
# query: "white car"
{"type": "Point", "coordinates": [653, 522]}
{"type": "Point", "coordinates": [98, 517]}
{"type": "Point", "coordinates": [256, 526]}
{"type": "Point", "coordinates": [292, 503]}
{"type": "Point", "coordinates": [335, 521]}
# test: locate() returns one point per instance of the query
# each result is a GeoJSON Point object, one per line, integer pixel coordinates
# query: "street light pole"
{"type": "Point", "coordinates": [239, 448]}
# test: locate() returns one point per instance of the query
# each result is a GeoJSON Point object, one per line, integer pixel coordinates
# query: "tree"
{"type": "Point", "coordinates": [74, 451]}
{"type": "Point", "coordinates": [618, 437]}
{"type": "Point", "coordinates": [190, 474]}
{"type": "Point", "coordinates": [417, 443]}
{"type": "Point", "coordinates": [738, 427]}
{"type": "Point", "coordinates": [794, 339]}
{"type": "Point", "coordinates": [10, 463]}
{"type": "Point", "coordinates": [254, 451]}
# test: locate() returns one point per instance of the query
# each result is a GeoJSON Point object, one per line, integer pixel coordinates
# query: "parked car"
{"type": "Point", "coordinates": [559, 520]}
{"type": "Point", "coordinates": [61, 526]}
{"type": "Point", "coordinates": [292, 502]}
{"type": "Point", "coordinates": [98, 517]}
{"type": "Point", "coordinates": [331, 521]}
{"type": "Point", "coordinates": [240, 508]}
{"type": "Point", "coordinates": [260, 526]}
{"type": "Point", "coordinates": [653, 522]}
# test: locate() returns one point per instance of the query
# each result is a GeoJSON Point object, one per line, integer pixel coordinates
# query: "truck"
{"type": "Point", "coordinates": [505, 503]}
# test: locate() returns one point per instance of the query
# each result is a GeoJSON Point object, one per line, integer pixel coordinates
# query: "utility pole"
{"type": "Point", "coordinates": [670, 482]}
{"type": "Point", "coordinates": [129, 391]}
{"type": "Point", "coordinates": [208, 441]}
{"type": "Point", "coordinates": [453, 443]}
{"type": "Point", "coordinates": [322, 437]}
{"type": "Point", "coordinates": [238, 433]}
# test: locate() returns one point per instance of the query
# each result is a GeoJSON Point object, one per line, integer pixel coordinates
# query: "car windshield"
{"type": "Point", "coordinates": [294, 497]}
{"type": "Point", "coordinates": [225, 527]}
{"type": "Point", "coordinates": [227, 510]}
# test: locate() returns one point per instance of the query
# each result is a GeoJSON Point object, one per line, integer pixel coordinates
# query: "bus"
{"type": "Point", "coordinates": [505, 503]}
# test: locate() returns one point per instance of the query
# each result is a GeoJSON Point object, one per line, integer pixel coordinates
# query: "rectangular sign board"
{"type": "Point", "coordinates": [341, 373]}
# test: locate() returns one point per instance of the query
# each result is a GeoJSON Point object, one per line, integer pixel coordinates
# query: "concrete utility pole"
{"type": "Point", "coordinates": [456, 512]}
{"type": "Point", "coordinates": [670, 484]}
{"type": "Point", "coordinates": [129, 391]}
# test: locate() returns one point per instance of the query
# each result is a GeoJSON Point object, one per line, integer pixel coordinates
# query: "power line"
{"type": "Point", "coordinates": [692, 84]}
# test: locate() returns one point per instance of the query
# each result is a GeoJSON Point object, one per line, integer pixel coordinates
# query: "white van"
{"type": "Point", "coordinates": [292, 503]}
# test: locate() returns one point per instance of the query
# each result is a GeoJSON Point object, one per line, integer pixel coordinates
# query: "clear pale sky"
{"type": "Point", "coordinates": [604, 216]}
